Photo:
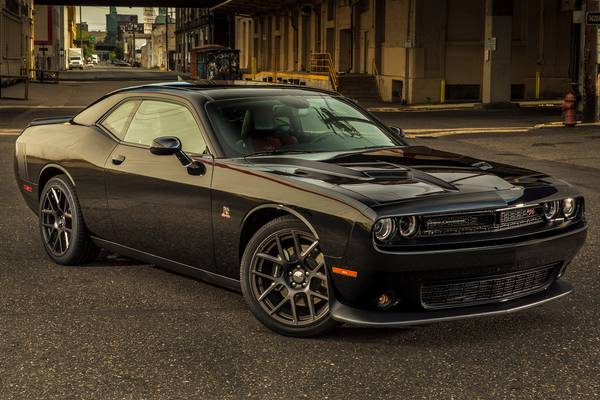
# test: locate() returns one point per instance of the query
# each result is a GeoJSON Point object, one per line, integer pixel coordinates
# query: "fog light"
{"type": "Point", "coordinates": [386, 300]}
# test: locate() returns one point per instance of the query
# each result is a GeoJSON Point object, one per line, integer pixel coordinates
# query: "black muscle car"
{"type": "Point", "coordinates": [314, 209]}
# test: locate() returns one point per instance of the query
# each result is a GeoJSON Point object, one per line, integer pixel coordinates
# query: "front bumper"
{"type": "Point", "coordinates": [407, 273]}
{"type": "Point", "coordinates": [359, 317]}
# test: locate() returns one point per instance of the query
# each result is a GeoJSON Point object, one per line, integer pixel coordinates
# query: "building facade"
{"type": "Point", "coordinates": [55, 31]}
{"type": "Point", "coordinates": [16, 36]}
{"type": "Point", "coordinates": [154, 52]}
{"type": "Point", "coordinates": [418, 51]}
{"type": "Point", "coordinates": [148, 19]}
{"type": "Point", "coordinates": [197, 27]}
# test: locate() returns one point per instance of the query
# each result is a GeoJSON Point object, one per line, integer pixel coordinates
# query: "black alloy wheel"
{"type": "Point", "coordinates": [62, 229]}
{"type": "Point", "coordinates": [284, 279]}
{"type": "Point", "coordinates": [57, 221]}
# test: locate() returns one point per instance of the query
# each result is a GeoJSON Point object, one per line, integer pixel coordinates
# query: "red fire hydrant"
{"type": "Point", "coordinates": [568, 108]}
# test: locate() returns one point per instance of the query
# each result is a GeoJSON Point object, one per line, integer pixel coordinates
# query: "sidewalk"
{"type": "Point", "coordinates": [387, 107]}
{"type": "Point", "coordinates": [63, 94]}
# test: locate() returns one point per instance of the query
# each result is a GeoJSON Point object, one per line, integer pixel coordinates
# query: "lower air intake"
{"type": "Point", "coordinates": [487, 290]}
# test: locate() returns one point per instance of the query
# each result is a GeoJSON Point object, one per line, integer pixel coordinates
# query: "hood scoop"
{"type": "Point", "coordinates": [359, 171]}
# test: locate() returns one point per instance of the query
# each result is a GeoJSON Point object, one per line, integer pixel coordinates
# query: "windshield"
{"type": "Point", "coordinates": [288, 124]}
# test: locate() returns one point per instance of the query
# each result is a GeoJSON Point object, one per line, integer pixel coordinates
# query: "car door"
{"type": "Point", "coordinates": [156, 206]}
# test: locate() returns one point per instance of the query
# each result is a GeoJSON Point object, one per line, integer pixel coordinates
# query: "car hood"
{"type": "Point", "coordinates": [391, 175]}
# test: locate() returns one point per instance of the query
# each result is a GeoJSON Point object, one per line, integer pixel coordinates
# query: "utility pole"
{"type": "Point", "coordinates": [167, 40]}
{"type": "Point", "coordinates": [590, 59]}
{"type": "Point", "coordinates": [81, 34]}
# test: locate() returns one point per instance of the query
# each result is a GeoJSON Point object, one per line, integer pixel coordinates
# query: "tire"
{"type": "Point", "coordinates": [286, 289]}
{"type": "Point", "coordinates": [62, 229]}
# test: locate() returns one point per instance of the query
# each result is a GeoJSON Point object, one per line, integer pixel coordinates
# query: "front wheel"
{"type": "Point", "coordinates": [284, 280]}
{"type": "Point", "coordinates": [62, 229]}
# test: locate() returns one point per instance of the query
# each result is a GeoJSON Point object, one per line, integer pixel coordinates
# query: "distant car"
{"type": "Point", "coordinates": [94, 58]}
{"type": "Point", "coordinates": [75, 62]}
{"type": "Point", "coordinates": [121, 63]}
{"type": "Point", "coordinates": [318, 212]}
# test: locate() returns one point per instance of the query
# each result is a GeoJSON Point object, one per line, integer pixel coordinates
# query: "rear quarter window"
{"type": "Point", "coordinates": [116, 122]}
{"type": "Point", "coordinates": [94, 112]}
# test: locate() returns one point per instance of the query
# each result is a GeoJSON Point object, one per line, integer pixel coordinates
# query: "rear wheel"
{"type": "Point", "coordinates": [62, 229]}
{"type": "Point", "coordinates": [284, 279]}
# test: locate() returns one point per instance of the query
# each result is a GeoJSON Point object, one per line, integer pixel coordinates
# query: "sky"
{"type": "Point", "coordinates": [96, 16]}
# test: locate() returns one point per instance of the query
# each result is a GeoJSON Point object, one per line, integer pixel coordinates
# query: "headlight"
{"type": "Point", "coordinates": [408, 226]}
{"type": "Point", "coordinates": [551, 209]}
{"type": "Point", "coordinates": [569, 207]}
{"type": "Point", "coordinates": [384, 229]}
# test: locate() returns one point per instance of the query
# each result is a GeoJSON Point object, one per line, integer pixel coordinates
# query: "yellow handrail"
{"type": "Point", "coordinates": [323, 62]}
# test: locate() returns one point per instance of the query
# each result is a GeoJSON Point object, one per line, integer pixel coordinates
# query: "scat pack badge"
{"type": "Point", "coordinates": [225, 213]}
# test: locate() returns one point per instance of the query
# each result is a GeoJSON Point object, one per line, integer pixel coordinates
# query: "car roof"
{"type": "Point", "coordinates": [220, 90]}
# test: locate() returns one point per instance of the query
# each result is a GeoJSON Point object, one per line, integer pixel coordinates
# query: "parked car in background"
{"type": "Point", "coordinates": [121, 63]}
{"type": "Point", "coordinates": [310, 206]}
{"type": "Point", "coordinates": [94, 58]}
{"type": "Point", "coordinates": [75, 58]}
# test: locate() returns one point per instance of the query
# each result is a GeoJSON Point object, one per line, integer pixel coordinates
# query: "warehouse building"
{"type": "Point", "coordinates": [16, 35]}
{"type": "Point", "coordinates": [412, 51]}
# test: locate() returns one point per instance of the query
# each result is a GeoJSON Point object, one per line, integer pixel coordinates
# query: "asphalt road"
{"type": "Point", "coordinates": [18, 116]}
{"type": "Point", "coordinates": [119, 329]}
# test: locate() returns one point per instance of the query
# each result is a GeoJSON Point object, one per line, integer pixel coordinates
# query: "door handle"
{"type": "Point", "coordinates": [118, 160]}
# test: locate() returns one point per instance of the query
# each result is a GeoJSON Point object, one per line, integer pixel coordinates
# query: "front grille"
{"type": "Point", "coordinates": [480, 222]}
{"type": "Point", "coordinates": [488, 290]}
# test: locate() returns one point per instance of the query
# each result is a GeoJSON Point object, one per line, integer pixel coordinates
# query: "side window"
{"type": "Point", "coordinates": [159, 118]}
{"type": "Point", "coordinates": [117, 119]}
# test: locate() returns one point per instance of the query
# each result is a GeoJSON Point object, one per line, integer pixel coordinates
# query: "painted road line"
{"type": "Point", "coordinates": [38, 106]}
{"type": "Point", "coordinates": [413, 133]}
{"type": "Point", "coordinates": [10, 132]}
{"type": "Point", "coordinates": [473, 129]}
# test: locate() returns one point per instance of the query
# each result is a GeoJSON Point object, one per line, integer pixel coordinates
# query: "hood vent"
{"type": "Point", "coordinates": [380, 170]}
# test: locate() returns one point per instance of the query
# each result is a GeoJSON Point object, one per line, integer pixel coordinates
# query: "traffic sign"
{"type": "Point", "coordinates": [592, 18]}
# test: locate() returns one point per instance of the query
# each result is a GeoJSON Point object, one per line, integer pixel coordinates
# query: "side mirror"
{"type": "Point", "coordinates": [169, 145]}
{"type": "Point", "coordinates": [397, 131]}
{"type": "Point", "coordinates": [165, 146]}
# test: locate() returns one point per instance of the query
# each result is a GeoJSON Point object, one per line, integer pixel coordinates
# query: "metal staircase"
{"type": "Point", "coordinates": [359, 87]}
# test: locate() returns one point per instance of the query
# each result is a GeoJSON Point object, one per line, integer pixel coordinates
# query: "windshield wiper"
{"type": "Point", "coordinates": [364, 149]}
{"type": "Point", "coordinates": [332, 119]}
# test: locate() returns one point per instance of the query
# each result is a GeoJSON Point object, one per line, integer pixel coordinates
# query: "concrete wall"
{"type": "Point", "coordinates": [414, 45]}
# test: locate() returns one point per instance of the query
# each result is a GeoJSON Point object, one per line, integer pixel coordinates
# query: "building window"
{"type": "Point", "coordinates": [331, 10]}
